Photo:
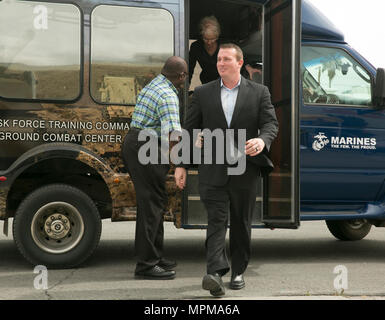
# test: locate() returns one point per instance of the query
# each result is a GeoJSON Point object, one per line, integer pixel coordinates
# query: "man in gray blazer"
{"type": "Point", "coordinates": [231, 102]}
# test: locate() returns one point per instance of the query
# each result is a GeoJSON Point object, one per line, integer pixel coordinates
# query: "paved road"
{"type": "Point", "coordinates": [285, 264]}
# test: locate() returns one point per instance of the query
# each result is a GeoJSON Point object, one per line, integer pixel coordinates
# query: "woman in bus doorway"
{"type": "Point", "coordinates": [205, 50]}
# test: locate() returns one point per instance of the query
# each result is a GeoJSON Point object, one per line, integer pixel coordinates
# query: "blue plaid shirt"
{"type": "Point", "coordinates": [157, 107]}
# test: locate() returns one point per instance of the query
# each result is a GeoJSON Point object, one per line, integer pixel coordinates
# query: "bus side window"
{"type": "Point", "coordinates": [125, 53]}
{"type": "Point", "coordinates": [40, 50]}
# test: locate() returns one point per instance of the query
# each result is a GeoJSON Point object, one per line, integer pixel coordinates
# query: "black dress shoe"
{"type": "Point", "coordinates": [214, 283]}
{"type": "Point", "coordinates": [155, 273]}
{"type": "Point", "coordinates": [167, 264]}
{"type": "Point", "coordinates": [237, 282]}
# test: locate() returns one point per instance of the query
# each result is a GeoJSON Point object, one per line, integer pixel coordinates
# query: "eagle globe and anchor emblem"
{"type": "Point", "coordinates": [320, 142]}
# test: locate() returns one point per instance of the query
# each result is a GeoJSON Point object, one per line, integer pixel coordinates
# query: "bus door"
{"type": "Point", "coordinates": [269, 36]}
{"type": "Point", "coordinates": [282, 30]}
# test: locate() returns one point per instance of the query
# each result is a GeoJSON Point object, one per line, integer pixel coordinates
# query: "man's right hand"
{"type": "Point", "coordinates": [180, 177]}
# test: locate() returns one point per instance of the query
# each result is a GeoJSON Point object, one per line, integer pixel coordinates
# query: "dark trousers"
{"type": "Point", "coordinates": [237, 201]}
{"type": "Point", "coordinates": [151, 197]}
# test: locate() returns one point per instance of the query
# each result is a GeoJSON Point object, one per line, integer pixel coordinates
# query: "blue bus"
{"type": "Point", "coordinates": [70, 72]}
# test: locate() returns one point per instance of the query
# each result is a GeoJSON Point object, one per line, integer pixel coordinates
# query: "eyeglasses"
{"type": "Point", "coordinates": [209, 40]}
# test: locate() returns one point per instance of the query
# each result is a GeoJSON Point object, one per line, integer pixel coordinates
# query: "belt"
{"type": "Point", "coordinates": [136, 131]}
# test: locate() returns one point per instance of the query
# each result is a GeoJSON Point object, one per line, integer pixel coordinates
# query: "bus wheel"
{"type": "Point", "coordinates": [349, 230]}
{"type": "Point", "coordinates": [57, 226]}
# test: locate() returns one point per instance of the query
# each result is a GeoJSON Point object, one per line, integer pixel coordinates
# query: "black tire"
{"type": "Point", "coordinates": [57, 226]}
{"type": "Point", "coordinates": [349, 230]}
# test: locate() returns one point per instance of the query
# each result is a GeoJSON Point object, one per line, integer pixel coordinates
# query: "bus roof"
{"type": "Point", "coordinates": [315, 25]}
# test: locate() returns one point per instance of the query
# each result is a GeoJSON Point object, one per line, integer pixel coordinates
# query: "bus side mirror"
{"type": "Point", "coordinates": [379, 89]}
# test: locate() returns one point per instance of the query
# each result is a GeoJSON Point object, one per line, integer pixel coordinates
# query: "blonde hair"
{"type": "Point", "coordinates": [210, 24]}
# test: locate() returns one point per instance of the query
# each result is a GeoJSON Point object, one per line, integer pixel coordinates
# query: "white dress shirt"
{"type": "Point", "coordinates": [229, 98]}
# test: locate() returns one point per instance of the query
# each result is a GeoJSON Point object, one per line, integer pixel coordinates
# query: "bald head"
{"type": "Point", "coordinates": [174, 66]}
{"type": "Point", "coordinates": [175, 69]}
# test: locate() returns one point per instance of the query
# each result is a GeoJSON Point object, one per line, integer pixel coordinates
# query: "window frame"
{"type": "Point", "coordinates": [90, 45]}
{"type": "Point", "coordinates": [81, 62]}
{"type": "Point", "coordinates": [372, 80]}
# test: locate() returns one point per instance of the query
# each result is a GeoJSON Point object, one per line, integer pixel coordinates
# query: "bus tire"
{"type": "Point", "coordinates": [57, 226]}
{"type": "Point", "coordinates": [349, 230]}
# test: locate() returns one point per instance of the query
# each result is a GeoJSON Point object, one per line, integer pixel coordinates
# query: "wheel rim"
{"type": "Point", "coordinates": [57, 227]}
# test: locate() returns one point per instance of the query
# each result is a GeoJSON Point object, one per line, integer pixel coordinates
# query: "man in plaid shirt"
{"type": "Point", "coordinates": [157, 112]}
{"type": "Point", "coordinates": [157, 107]}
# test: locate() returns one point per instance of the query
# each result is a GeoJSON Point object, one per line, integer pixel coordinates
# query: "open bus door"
{"type": "Point", "coordinates": [282, 43]}
{"type": "Point", "coordinates": [247, 23]}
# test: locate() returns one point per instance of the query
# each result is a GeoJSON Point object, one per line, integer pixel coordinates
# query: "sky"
{"type": "Point", "coordinates": [363, 24]}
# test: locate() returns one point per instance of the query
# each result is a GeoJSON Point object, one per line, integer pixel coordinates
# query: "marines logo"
{"type": "Point", "coordinates": [321, 141]}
